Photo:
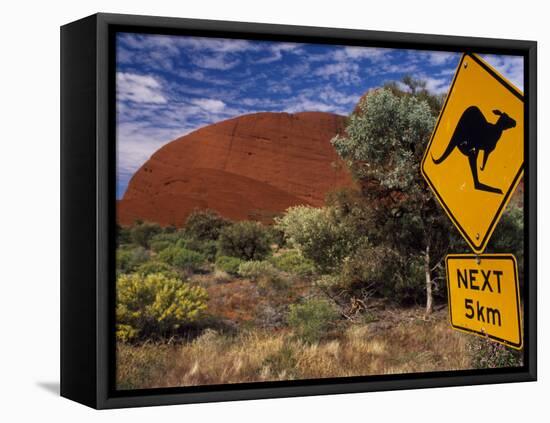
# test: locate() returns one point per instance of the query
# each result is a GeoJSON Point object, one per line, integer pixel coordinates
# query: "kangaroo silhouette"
{"type": "Point", "coordinates": [474, 134]}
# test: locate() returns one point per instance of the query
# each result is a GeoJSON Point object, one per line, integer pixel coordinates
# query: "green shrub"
{"type": "Point", "coordinates": [292, 261]}
{"type": "Point", "coordinates": [127, 259]}
{"type": "Point", "coordinates": [164, 240]}
{"type": "Point", "coordinates": [320, 237]}
{"type": "Point", "coordinates": [207, 248]}
{"type": "Point", "coordinates": [122, 235]}
{"type": "Point", "coordinates": [246, 240]}
{"type": "Point", "coordinates": [276, 236]}
{"type": "Point", "coordinates": [142, 233]}
{"type": "Point", "coordinates": [151, 267]}
{"type": "Point", "coordinates": [182, 258]}
{"type": "Point", "coordinates": [264, 273]}
{"type": "Point", "coordinates": [173, 237]}
{"type": "Point", "coordinates": [155, 305]}
{"type": "Point", "coordinates": [509, 236]}
{"type": "Point", "coordinates": [487, 354]}
{"type": "Point", "coordinates": [311, 319]}
{"type": "Point", "coordinates": [170, 229]}
{"type": "Point", "coordinates": [204, 225]}
{"type": "Point", "coordinates": [256, 269]}
{"type": "Point", "coordinates": [384, 272]}
{"type": "Point", "coordinates": [228, 264]}
{"type": "Point", "coordinates": [159, 245]}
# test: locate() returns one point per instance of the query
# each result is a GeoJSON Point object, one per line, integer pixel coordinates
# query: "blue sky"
{"type": "Point", "coordinates": [168, 86]}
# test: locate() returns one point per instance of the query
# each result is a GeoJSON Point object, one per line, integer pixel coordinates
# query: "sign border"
{"type": "Point", "coordinates": [492, 256]}
{"type": "Point", "coordinates": [478, 248]}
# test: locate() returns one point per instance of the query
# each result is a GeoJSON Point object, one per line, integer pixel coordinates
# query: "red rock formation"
{"type": "Point", "coordinates": [250, 167]}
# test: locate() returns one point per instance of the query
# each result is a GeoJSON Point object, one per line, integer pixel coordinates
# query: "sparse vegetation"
{"type": "Point", "coordinates": [205, 225]}
{"type": "Point", "coordinates": [155, 305]}
{"type": "Point", "coordinates": [142, 233]}
{"type": "Point", "coordinates": [127, 259]}
{"type": "Point", "coordinates": [229, 265]}
{"type": "Point", "coordinates": [182, 258]}
{"type": "Point", "coordinates": [410, 345]}
{"type": "Point", "coordinates": [486, 354]}
{"type": "Point", "coordinates": [351, 288]}
{"type": "Point", "coordinates": [312, 319]}
{"type": "Point", "coordinates": [264, 273]}
{"type": "Point", "coordinates": [245, 240]}
{"type": "Point", "coordinates": [293, 262]}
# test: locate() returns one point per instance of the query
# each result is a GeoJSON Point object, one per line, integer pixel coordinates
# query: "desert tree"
{"type": "Point", "coordinates": [383, 145]}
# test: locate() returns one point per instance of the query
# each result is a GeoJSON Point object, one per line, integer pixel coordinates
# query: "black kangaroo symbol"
{"type": "Point", "coordinates": [474, 134]}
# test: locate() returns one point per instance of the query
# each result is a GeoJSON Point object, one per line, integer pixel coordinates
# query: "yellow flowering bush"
{"type": "Point", "coordinates": [155, 305]}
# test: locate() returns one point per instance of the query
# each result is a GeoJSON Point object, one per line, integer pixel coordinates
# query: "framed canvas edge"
{"type": "Point", "coordinates": [105, 225]}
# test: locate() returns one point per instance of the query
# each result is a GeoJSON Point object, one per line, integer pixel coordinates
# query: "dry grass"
{"type": "Point", "coordinates": [408, 344]}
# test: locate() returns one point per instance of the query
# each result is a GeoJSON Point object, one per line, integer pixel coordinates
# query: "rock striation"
{"type": "Point", "coordinates": [251, 167]}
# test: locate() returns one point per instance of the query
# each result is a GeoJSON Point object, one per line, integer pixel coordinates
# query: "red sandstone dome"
{"type": "Point", "coordinates": [252, 167]}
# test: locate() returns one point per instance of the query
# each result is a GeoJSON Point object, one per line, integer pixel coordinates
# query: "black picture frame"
{"type": "Point", "coordinates": [88, 210]}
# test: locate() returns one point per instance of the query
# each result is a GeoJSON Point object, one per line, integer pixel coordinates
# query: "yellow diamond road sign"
{"type": "Point", "coordinates": [484, 296]}
{"type": "Point", "coordinates": [474, 160]}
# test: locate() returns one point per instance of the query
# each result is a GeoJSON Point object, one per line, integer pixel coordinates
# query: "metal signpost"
{"type": "Point", "coordinates": [473, 164]}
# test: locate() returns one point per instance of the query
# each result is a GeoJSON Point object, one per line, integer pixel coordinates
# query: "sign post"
{"type": "Point", "coordinates": [484, 296]}
{"type": "Point", "coordinates": [474, 160]}
{"type": "Point", "coordinates": [473, 164]}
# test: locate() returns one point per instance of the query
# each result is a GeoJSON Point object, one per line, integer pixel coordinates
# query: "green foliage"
{"type": "Point", "coordinates": [255, 269]}
{"type": "Point", "coordinates": [205, 225]}
{"type": "Point", "coordinates": [127, 259]}
{"type": "Point", "coordinates": [155, 305]}
{"type": "Point", "coordinates": [142, 233]}
{"type": "Point", "coordinates": [246, 240]}
{"type": "Point", "coordinates": [150, 267]}
{"type": "Point", "coordinates": [207, 248]}
{"type": "Point", "coordinates": [384, 272]}
{"type": "Point", "coordinates": [311, 319]}
{"type": "Point", "coordinates": [320, 237]}
{"type": "Point", "coordinates": [165, 239]}
{"type": "Point", "coordinates": [122, 235]}
{"type": "Point", "coordinates": [276, 236]}
{"type": "Point", "coordinates": [158, 245]}
{"type": "Point", "coordinates": [182, 258]}
{"type": "Point", "coordinates": [228, 264]}
{"type": "Point", "coordinates": [292, 261]}
{"type": "Point", "coordinates": [508, 235]}
{"type": "Point", "coordinates": [170, 229]}
{"type": "Point", "coordinates": [386, 141]}
{"type": "Point", "coordinates": [264, 273]}
{"type": "Point", "coordinates": [383, 144]}
{"type": "Point", "coordinates": [417, 87]}
{"type": "Point", "coordinates": [487, 354]}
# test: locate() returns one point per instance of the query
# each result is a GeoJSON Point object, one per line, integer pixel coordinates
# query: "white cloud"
{"type": "Point", "coordinates": [216, 45]}
{"type": "Point", "coordinates": [511, 67]}
{"type": "Point", "coordinates": [351, 53]}
{"type": "Point", "coordinates": [345, 72]}
{"type": "Point", "coordinates": [275, 52]}
{"type": "Point", "coordinates": [297, 70]}
{"type": "Point", "coordinates": [210, 105]}
{"type": "Point", "coordinates": [138, 88]}
{"type": "Point", "coordinates": [438, 58]}
{"type": "Point", "coordinates": [173, 43]}
{"type": "Point", "coordinates": [436, 85]}
{"type": "Point", "coordinates": [216, 61]}
{"type": "Point", "coordinates": [396, 68]}
{"type": "Point", "coordinates": [136, 142]}
{"type": "Point", "coordinates": [447, 72]}
{"type": "Point", "coordinates": [374, 54]}
{"type": "Point", "coordinates": [330, 95]}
